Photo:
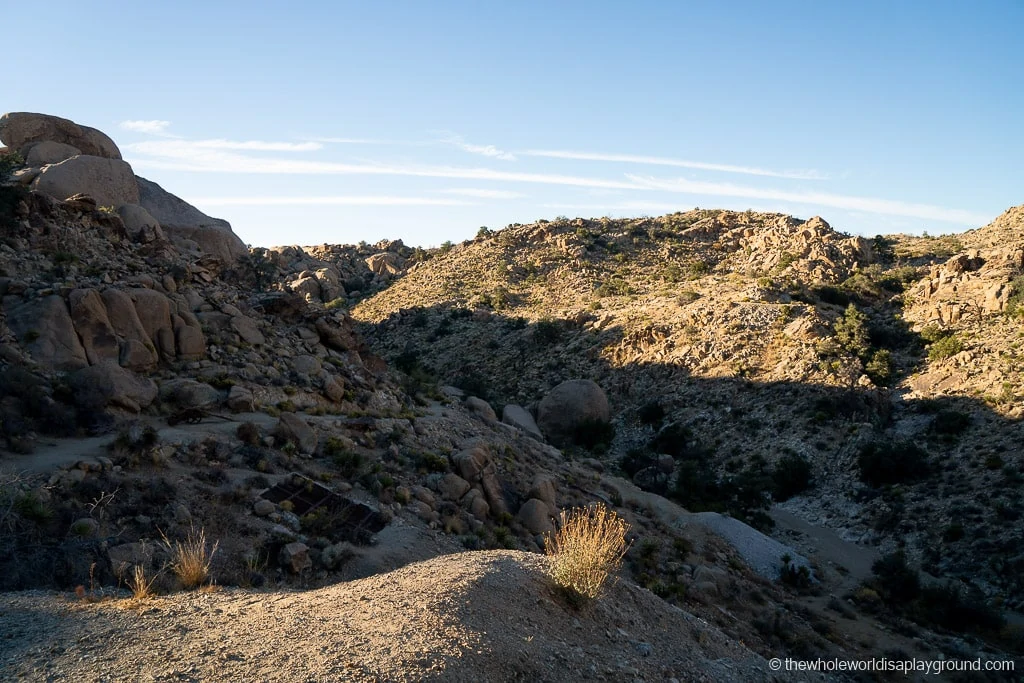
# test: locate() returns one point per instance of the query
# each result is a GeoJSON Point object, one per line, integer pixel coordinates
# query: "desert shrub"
{"type": "Point", "coordinates": [830, 295]}
{"type": "Point", "coordinates": [894, 579]}
{"type": "Point", "coordinates": [852, 332]}
{"type": "Point", "coordinates": [593, 433]}
{"type": "Point", "coordinates": [1015, 304]}
{"type": "Point", "coordinates": [547, 332]}
{"type": "Point", "coordinates": [259, 268]}
{"type": "Point", "coordinates": [945, 347]}
{"type": "Point", "coordinates": [792, 575]}
{"type": "Point", "coordinates": [614, 287]}
{"type": "Point", "coordinates": [249, 433]}
{"type": "Point", "coordinates": [432, 462]}
{"type": "Point", "coordinates": [190, 559]}
{"type": "Point", "coordinates": [651, 413]}
{"type": "Point", "coordinates": [948, 607]}
{"type": "Point", "coordinates": [879, 368]}
{"type": "Point", "coordinates": [792, 475]}
{"type": "Point", "coordinates": [932, 333]}
{"type": "Point", "coordinates": [674, 438]}
{"type": "Point", "coordinates": [884, 463]}
{"type": "Point", "coordinates": [586, 550]}
{"type": "Point", "coordinates": [950, 422]}
{"type": "Point", "coordinates": [348, 462]}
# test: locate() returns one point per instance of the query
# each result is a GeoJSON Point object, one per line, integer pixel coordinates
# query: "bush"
{"type": "Point", "coordinates": [651, 413]}
{"type": "Point", "coordinates": [950, 422]}
{"type": "Point", "coordinates": [884, 463]}
{"type": "Point", "coordinates": [895, 580]}
{"type": "Point", "coordinates": [586, 550]}
{"type": "Point", "coordinates": [945, 347]}
{"type": "Point", "coordinates": [547, 332]}
{"type": "Point", "coordinates": [880, 368]}
{"type": "Point", "coordinates": [852, 331]}
{"type": "Point", "coordinates": [593, 433]}
{"type": "Point", "coordinates": [792, 475]}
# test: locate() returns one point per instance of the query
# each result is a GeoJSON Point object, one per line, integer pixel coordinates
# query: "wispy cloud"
{"type": "Point", "coordinates": [484, 194]}
{"type": "Point", "coordinates": [255, 145]}
{"type": "Point", "coordinates": [662, 161]}
{"type": "Point", "coordinates": [153, 127]}
{"type": "Point", "coordinates": [216, 156]}
{"type": "Point", "coordinates": [182, 155]}
{"type": "Point", "coordinates": [483, 150]}
{"type": "Point", "coordinates": [869, 204]}
{"type": "Point", "coordinates": [359, 141]}
{"type": "Point", "coordinates": [371, 200]}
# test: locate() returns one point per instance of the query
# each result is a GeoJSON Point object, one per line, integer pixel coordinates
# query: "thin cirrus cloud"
{"type": "Point", "coordinates": [680, 163]}
{"type": "Point", "coordinates": [358, 200]}
{"type": "Point", "coordinates": [868, 204]}
{"type": "Point", "coordinates": [482, 193]}
{"type": "Point", "coordinates": [225, 157]}
{"type": "Point", "coordinates": [483, 150]}
{"type": "Point", "coordinates": [182, 155]}
{"type": "Point", "coordinates": [151, 127]}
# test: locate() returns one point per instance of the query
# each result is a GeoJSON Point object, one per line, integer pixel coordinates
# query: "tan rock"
{"type": "Point", "coordinates": [49, 152]}
{"type": "Point", "coordinates": [19, 129]}
{"type": "Point", "coordinates": [109, 181]}
{"type": "Point", "coordinates": [89, 315]}
{"type": "Point", "coordinates": [568, 406]}
{"type": "Point", "coordinates": [45, 328]}
{"type": "Point", "coordinates": [183, 222]}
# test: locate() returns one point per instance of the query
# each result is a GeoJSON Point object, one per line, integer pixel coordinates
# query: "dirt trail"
{"type": "Point", "coordinates": [52, 453]}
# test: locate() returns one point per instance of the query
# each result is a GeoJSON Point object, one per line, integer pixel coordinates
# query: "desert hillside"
{"type": "Point", "coordinates": [812, 438]}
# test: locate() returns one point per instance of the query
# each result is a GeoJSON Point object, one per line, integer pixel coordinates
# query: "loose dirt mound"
{"type": "Point", "coordinates": [479, 616]}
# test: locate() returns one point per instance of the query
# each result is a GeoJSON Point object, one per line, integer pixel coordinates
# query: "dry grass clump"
{"type": "Point", "coordinates": [190, 559]}
{"type": "Point", "coordinates": [141, 584]}
{"type": "Point", "coordinates": [587, 548]}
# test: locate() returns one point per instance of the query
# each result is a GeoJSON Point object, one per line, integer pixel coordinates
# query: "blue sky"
{"type": "Point", "coordinates": [305, 123]}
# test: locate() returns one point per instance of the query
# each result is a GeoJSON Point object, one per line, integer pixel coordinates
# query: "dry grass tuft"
{"type": "Point", "coordinates": [141, 584]}
{"type": "Point", "coordinates": [191, 558]}
{"type": "Point", "coordinates": [587, 548]}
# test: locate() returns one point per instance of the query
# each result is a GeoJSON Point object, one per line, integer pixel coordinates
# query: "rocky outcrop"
{"type": "Point", "coordinates": [520, 418]}
{"type": "Point", "coordinates": [45, 328]}
{"type": "Point", "coordinates": [140, 224]}
{"type": "Point", "coordinates": [186, 225]}
{"type": "Point", "coordinates": [110, 182]}
{"type": "Point", "coordinates": [108, 384]}
{"type": "Point", "coordinates": [569, 406]}
{"type": "Point", "coordinates": [48, 152]}
{"type": "Point", "coordinates": [18, 130]}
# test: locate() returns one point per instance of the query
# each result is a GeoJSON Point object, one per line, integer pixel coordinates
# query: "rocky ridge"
{"type": "Point", "coordinates": [154, 378]}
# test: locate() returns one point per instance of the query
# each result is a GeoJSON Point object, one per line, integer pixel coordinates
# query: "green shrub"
{"type": "Point", "coordinates": [592, 433]}
{"type": "Point", "coordinates": [547, 332]}
{"type": "Point", "coordinates": [884, 462]}
{"type": "Point", "coordinates": [651, 413]}
{"type": "Point", "coordinates": [950, 422]}
{"type": "Point", "coordinates": [852, 332]}
{"type": "Point", "coordinates": [879, 368]}
{"type": "Point", "coordinates": [945, 347]}
{"type": "Point", "coordinates": [792, 475]}
{"type": "Point", "coordinates": [895, 580]}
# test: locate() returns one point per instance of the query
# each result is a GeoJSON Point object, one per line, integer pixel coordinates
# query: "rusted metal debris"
{"type": "Point", "coordinates": [352, 521]}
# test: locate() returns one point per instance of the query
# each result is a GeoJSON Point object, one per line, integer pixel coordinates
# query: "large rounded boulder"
{"type": "Point", "coordinates": [570, 406]}
{"type": "Point", "coordinates": [20, 129]}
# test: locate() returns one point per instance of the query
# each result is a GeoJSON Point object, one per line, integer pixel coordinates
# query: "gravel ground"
{"type": "Point", "coordinates": [473, 616]}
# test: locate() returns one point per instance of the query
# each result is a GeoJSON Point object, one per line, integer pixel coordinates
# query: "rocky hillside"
{"type": "Point", "coordinates": [158, 378]}
{"type": "Point", "coordinates": [759, 345]}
